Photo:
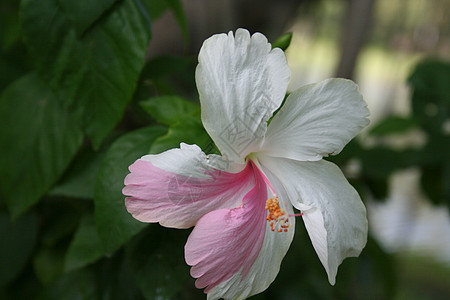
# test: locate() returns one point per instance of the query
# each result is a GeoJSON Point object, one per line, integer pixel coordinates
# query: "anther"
{"type": "Point", "coordinates": [277, 217]}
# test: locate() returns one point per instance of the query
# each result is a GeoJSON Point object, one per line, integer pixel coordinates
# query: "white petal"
{"type": "Point", "coordinates": [241, 82]}
{"type": "Point", "coordinates": [336, 220]}
{"type": "Point", "coordinates": [317, 120]}
{"type": "Point", "coordinates": [190, 160]}
{"type": "Point", "coordinates": [267, 264]}
{"type": "Point", "coordinates": [179, 186]}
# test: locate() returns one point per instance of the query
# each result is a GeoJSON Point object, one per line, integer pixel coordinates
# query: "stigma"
{"type": "Point", "coordinates": [277, 217]}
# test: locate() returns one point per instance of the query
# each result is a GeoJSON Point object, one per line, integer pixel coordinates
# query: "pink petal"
{"type": "Point", "coordinates": [174, 200]}
{"type": "Point", "coordinates": [226, 241]}
{"type": "Point", "coordinates": [267, 264]}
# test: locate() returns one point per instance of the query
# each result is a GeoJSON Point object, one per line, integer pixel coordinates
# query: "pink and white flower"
{"type": "Point", "coordinates": [241, 203]}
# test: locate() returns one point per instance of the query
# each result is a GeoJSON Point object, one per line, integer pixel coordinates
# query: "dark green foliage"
{"type": "Point", "coordinates": [431, 106]}
{"type": "Point", "coordinates": [38, 138]}
{"type": "Point", "coordinates": [430, 114]}
{"type": "Point", "coordinates": [91, 66]}
{"type": "Point", "coordinates": [85, 247]}
{"type": "Point", "coordinates": [18, 240]}
{"type": "Point", "coordinates": [169, 110]}
{"type": "Point", "coordinates": [183, 119]}
{"type": "Point", "coordinates": [155, 252]}
{"type": "Point", "coordinates": [393, 124]}
{"type": "Point", "coordinates": [115, 225]}
{"type": "Point", "coordinates": [79, 179]}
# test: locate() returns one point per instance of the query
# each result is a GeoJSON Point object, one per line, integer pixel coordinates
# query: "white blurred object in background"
{"type": "Point", "coordinates": [408, 222]}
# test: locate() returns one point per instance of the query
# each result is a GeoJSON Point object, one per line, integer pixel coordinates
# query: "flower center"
{"type": "Point", "coordinates": [277, 218]}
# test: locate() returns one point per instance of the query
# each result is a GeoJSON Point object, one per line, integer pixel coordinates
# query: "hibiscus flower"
{"type": "Point", "coordinates": [242, 202]}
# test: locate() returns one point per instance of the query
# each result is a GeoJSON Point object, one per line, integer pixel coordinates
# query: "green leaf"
{"type": "Point", "coordinates": [82, 14]}
{"type": "Point", "coordinates": [167, 65]}
{"type": "Point", "coordinates": [95, 73]}
{"type": "Point", "coordinates": [109, 279]}
{"type": "Point", "coordinates": [183, 117]}
{"type": "Point", "coordinates": [18, 239]}
{"type": "Point", "coordinates": [393, 124]}
{"type": "Point", "coordinates": [380, 162]}
{"type": "Point", "coordinates": [189, 131]}
{"type": "Point", "coordinates": [116, 280]}
{"type": "Point", "coordinates": [376, 186]}
{"type": "Point", "coordinates": [177, 8]}
{"type": "Point", "coordinates": [431, 107]}
{"type": "Point", "coordinates": [85, 247]}
{"type": "Point", "coordinates": [166, 75]}
{"type": "Point", "coordinates": [283, 41]}
{"type": "Point", "coordinates": [48, 263]}
{"type": "Point", "coordinates": [38, 138]}
{"type": "Point", "coordinates": [9, 24]}
{"type": "Point", "coordinates": [434, 184]}
{"type": "Point", "coordinates": [60, 218]}
{"type": "Point", "coordinates": [156, 260]}
{"type": "Point", "coordinates": [433, 78]}
{"type": "Point", "coordinates": [169, 110]}
{"type": "Point", "coordinates": [72, 286]}
{"type": "Point", "coordinates": [115, 225]}
{"type": "Point", "coordinates": [156, 8]}
{"type": "Point", "coordinates": [431, 96]}
{"type": "Point", "coordinates": [372, 273]}
{"type": "Point", "coordinates": [79, 180]}
{"type": "Point", "coordinates": [14, 62]}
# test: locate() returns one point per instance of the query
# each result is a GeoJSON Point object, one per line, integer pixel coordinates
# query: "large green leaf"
{"type": "Point", "coordinates": [115, 225]}
{"type": "Point", "coordinates": [72, 286]}
{"type": "Point", "coordinates": [431, 96]}
{"type": "Point", "coordinates": [169, 110]}
{"type": "Point", "coordinates": [38, 138]}
{"type": "Point", "coordinates": [96, 72]}
{"type": "Point", "coordinates": [157, 262]}
{"type": "Point", "coordinates": [17, 239]}
{"type": "Point", "coordinates": [393, 124]}
{"type": "Point", "coordinates": [189, 131]}
{"type": "Point", "coordinates": [82, 14]}
{"type": "Point", "coordinates": [48, 263]}
{"type": "Point", "coordinates": [79, 179]}
{"type": "Point", "coordinates": [183, 119]}
{"type": "Point", "coordinates": [85, 247]}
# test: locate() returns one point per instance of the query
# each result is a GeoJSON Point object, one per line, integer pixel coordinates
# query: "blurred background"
{"type": "Point", "coordinates": [397, 51]}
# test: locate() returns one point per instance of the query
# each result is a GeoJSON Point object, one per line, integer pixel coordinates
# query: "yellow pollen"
{"type": "Point", "coordinates": [275, 211]}
{"type": "Point", "coordinates": [276, 216]}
